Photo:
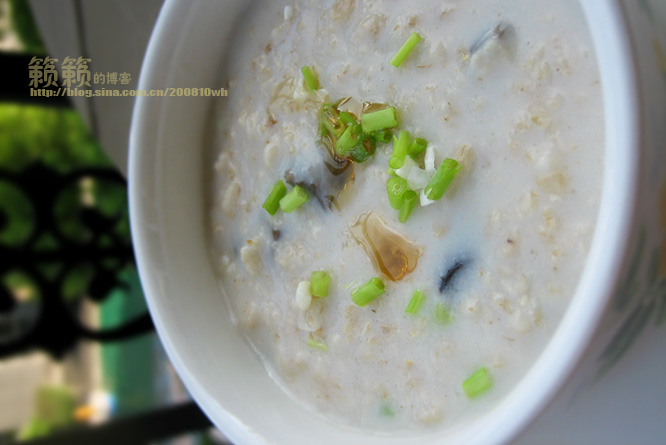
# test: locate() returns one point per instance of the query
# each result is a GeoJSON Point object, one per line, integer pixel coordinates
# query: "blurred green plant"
{"type": "Point", "coordinates": [57, 137]}
{"type": "Point", "coordinates": [23, 24]}
{"type": "Point", "coordinates": [60, 140]}
{"type": "Point", "coordinates": [54, 409]}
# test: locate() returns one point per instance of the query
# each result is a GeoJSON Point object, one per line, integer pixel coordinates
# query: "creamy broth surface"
{"type": "Point", "coordinates": [521, 109]}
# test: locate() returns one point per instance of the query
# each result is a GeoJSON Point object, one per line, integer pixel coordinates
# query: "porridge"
{"type": "Point", "coordinates": [404, 197]}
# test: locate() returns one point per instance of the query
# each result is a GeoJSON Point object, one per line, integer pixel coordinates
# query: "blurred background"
{"type": "Point", "coordinates": [79, 359]}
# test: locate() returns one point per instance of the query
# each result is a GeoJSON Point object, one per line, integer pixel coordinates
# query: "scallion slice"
{"type": "Point", "coordinates": [396, 188]}
{"type": "Point", "coordinates": [405, 49]}
{"type": "Point", "coordinates": [349, 139]}
{"type": "Point", "coordinates": [415, 303]}
{"type": "Point", "coordinates": [387, 410]}
{"type": "Point", "coordinates": [363, 295]}
{"type": "Point", "coordinates": [319, 281]}
{"type": "Point", "coordinates": [383, 136]}
{"type": "Point", "coordinates": [379, 120]}
{"type": "Point", "coordinates": [408, 201]}
{"type": "Point", "coordinates": [330, 119]}
{"type": "Point", "coordinates": [400, 150]}
{"type": "Point", "coordinates": [272, 202]}
{"type": "Point", "coordinates": [294, 199]}
{"type": "Point", "coordinates": [416, 147]}
{"type": "Point", "coordinates": [317, 344]}
{"type": "Point", "coordinates": [442, 178]}
{"type": "Point", "coordinates": [442, 314]}
{"type": "Point", "coordinates": [347, 118]}
{"type": "Point", "coordinates": [310, 79]}
{"type": "Point", "coordinates": [477, 383]}
{"type": "Point", "coordinates": [364, 150]}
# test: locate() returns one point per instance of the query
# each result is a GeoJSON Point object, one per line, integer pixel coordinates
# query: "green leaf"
{"type": "Point", "coordinates": [24, 25]}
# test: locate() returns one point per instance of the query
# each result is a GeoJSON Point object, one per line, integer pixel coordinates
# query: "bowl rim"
{"type": "Point", "coordinates": [616, 219]}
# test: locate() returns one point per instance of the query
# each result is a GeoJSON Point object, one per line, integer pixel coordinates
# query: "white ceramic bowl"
{"type": "Point", "coordinates": [607, 317]}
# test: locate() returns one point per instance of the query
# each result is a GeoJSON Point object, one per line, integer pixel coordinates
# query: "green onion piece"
{"type": "Point", "coordinates": [379, 120]}
{"type": "Point", "coordinates": [364, 150]}
{"type": "Point", "coordinates": [383, 136]}
{"type": "Point", "coordinates": [387, 410]}
{"type": "Point", "coordinates": [405, 49]}
{"type": "Point", "coordinates": [310, 79]}
{"type": "Point", "coordinates": [347, 118]}
{"type": "Point", "coordinates": [400, 150]}
{"type": "Point", "coordinates": [396, 189]}
{"type": "Point", "coordinates": [415, 303]}
{"type": "Point", "coordinates": [442, 314]}
{"type": "Point", "coordinates": [390, 172]}
{"type": "Point", "coordinates": [330, 118]}
{"type": "Point", "coordinates": [294, 199]}
{"type": "Point", "coordinates": [319, 281]}
{"type": "Point", "coordinates": [367, 292]}
{"type": "Point", "coordinates": [317, 344]}
{"type": "Point", "coordinates": [442, 178]}
{"type": "Point", "coordinates": [349, 139]}
{"type": "Point", "coordinates": [408, 201]}
{"type": "Point", "coordinates": [272, 202]}
{"type": "Point", "coordinates": [477, 383]}
{"type": "Point", "coordinates": [417, 146]}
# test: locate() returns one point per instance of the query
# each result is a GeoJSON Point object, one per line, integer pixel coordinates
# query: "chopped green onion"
{"type": "Point", "coordinates": [442, 314]}
{"type": "Point", "coordinates": [390, 172]}
{"type": "Point", "coordinates": [364, 150]}
{"type": "Point", "coordinates": [347, 118]}
{"type": "Point", "coordinates": [387, 410]}
{"type": "Point", "coordinates": [294, 199]}
{"type": "Point", "coordinates": [400, 150]}
{"type": "Point", "coordinates": [330, 118]}
{"type": "Point", "coordinates": [415, 303]}
{"type": "Point", "coordinates": [379, 120]}
{"type": "Point", "coordinates": [408, 201]}
{"type": "Point", "coordinates": [477, 383]}
{"type": "Point", "coordinates": [310, 79]}
{"type": "Point", "coordinates": [383, 136]}
{"type": "Point", "coordinates": [272, 202]}
{"type": "Point", "coordinates": [405, 49]}
{"type": "Point", "coordinates": [349, 139]}
{"type": "Point", "coordinates": [396, 189]}
{"type": "Point", "coordinates": [442, 178]}
{"type": "Point", "coordinates": [317, 344]}
{"type": "Point", "coordinates": [417, 147]}
{"type": "Point", "coordinates": [367, 292]}
{"type": "Point", "coordinates": [319, 281]}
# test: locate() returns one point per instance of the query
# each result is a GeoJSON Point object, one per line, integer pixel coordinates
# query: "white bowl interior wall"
{"type": "Point", "coordinates": [170, 222]}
